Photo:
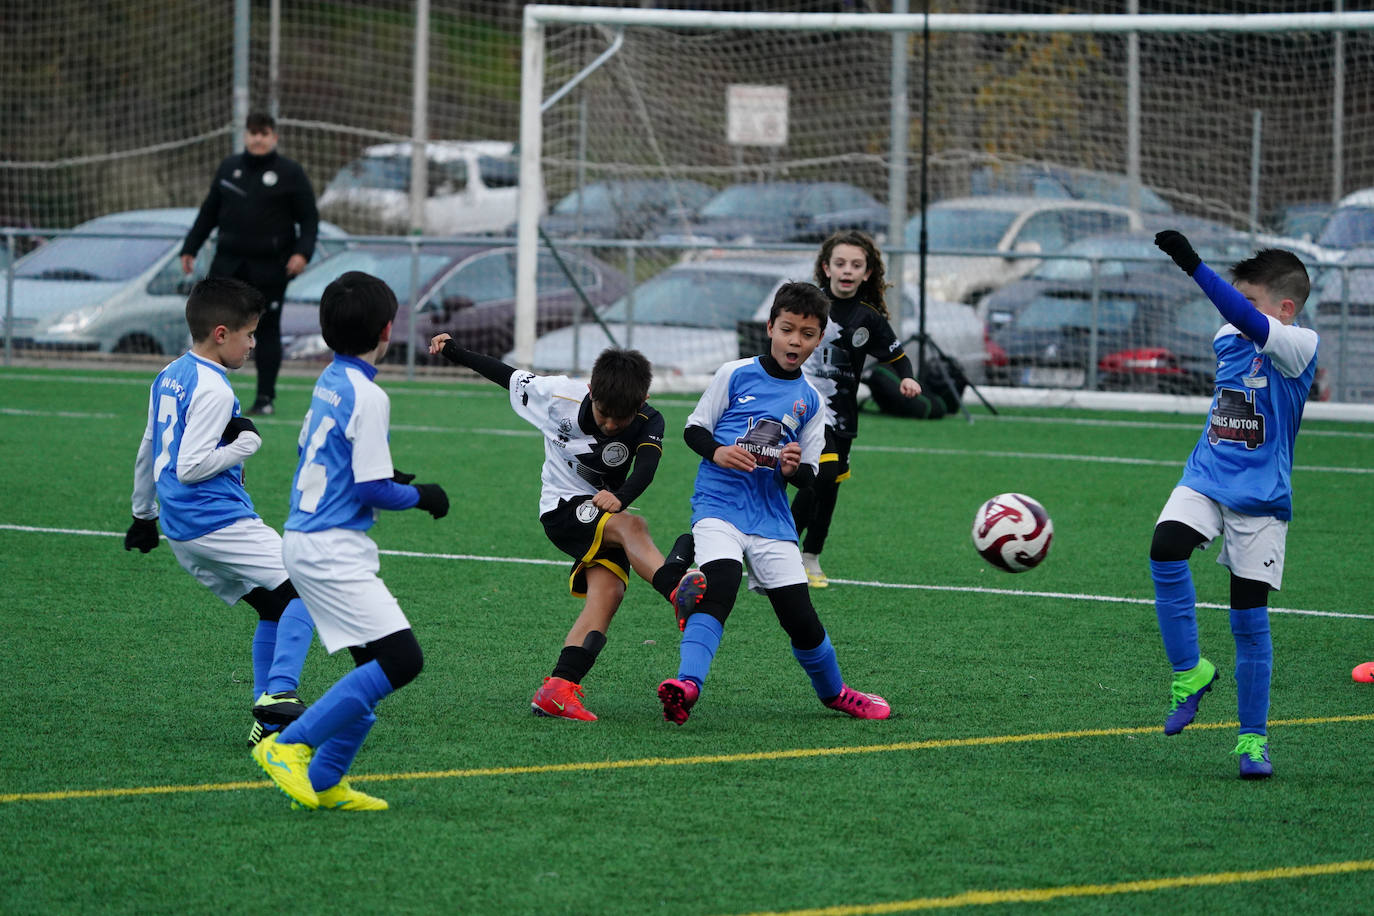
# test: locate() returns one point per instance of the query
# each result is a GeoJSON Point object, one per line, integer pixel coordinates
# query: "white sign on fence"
{"type": "Point", "coordinates": [756, 115]}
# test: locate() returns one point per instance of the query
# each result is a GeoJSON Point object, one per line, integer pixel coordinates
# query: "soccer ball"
{"type": "Point", "coordinates": [1012, 532]}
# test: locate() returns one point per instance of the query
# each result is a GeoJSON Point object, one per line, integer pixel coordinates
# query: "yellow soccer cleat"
{"type": "Point", "coordinates": [344, 797]}
{"type": "Point", "coordinates": [288, 765]}
{"type": "Point", "coordinates": [815, 578]}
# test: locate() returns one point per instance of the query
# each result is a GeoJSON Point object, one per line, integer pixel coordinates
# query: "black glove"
{"type": "Point", "coordinates": [401, 477]}
{"type": "Point", "coordinates": [142, 535]}
{"type": "Point", "coordinates": [1175, 245]}
{"type": "Point", "coordinates": [433, 499]}
{"type": "Point", "coordinates": [238, 425]}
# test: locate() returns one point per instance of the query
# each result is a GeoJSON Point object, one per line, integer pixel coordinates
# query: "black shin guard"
{"type": "Point", "coordinates": [575, 662]}
{"type": "Point", "coordinates": [398, 655]}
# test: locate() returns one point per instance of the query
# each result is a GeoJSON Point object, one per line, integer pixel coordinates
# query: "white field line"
{"type": "Point", "coordinates": [1094, 459]}
{"type": "Point", "coordinates": [969, 589]}
{"type": "Point", "coordinates": [62, 414]}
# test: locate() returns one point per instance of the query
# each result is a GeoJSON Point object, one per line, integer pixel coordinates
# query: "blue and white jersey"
{"type": "Point", "coordinates": [1244, 458]}
{"type": "Point", "coordinates": [182, 461]}
{"type": "Point", "coordinates": [343, 442]}
{"type": "Point", "coordinates": [746, 406]}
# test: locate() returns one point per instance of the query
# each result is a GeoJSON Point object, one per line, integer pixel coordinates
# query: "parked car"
{"type": "Point", "coordinates": [782, 211]}
{"type": "Point", "coordinates": [627, 209]}
{"type": "Point", "coordinates": [1349, 225]}
{"type": "Point", "coordinates": [1300, 220]}
{"type": "Point", "coordinates": [1154, 333]}
{"type": "Point", "coordinates": [688, 319]}
{"type": "Point", "coordinates": [124, 294]}
{"type": "Point", "coordinates": [472, 189]}
{"type": "Point", "coordinates": [996, 229]}
{"type": "Point", "coordinates": [466, 289]}
{"type": "Point", "coordinates": [1118, 257]}
{"type": "Point", "coordinates": [1341, 309]}
{"type": "Point", "coordinates": [1058, 181]}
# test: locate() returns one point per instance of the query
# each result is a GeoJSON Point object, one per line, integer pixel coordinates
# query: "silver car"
{"type": "Point", "coordinates": [687, 320]}
{"type": "Point", "coordinates": [124, 293]}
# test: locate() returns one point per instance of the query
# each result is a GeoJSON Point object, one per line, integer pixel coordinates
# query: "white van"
{"type": "Point", "coordinates": [473, 189]}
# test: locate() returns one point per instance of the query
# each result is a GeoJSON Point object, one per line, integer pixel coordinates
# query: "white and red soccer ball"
{"type": "Point", "coordinates": [1012, 532]}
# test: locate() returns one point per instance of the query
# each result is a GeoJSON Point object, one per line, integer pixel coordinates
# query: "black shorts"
{"type": "Point", "coordinates": [575, 527]}
{"type": "Point", "coordinates": [836, 450]}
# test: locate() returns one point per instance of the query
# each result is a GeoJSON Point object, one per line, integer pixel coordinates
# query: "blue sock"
{"type": "Point", "coordinates": [294, 631]}
{"type": "Point", "coordinates": [332, 759]}
{"type": "Point", "coordinates": [353, 696]}
{"type": "Point", "coordinates": [264, 641]}
{"type": "Point", "coordinates": [1176, 608]}
{"type": "Point", "coordinates": [1254, 665]}
{"type": "Point", "coordinates": [700, 640]}
{"type": "Point", "coordinates": [820, 663]}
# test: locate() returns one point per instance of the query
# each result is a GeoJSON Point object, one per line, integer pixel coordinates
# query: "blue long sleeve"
{"type": "Point", "coordinates": [1233, 306]}
{"type": "Point", "coordinates": [386, 494]}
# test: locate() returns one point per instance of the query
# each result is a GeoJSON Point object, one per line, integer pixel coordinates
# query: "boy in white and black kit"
{"type": "Point", "coordinates": [602, 445]}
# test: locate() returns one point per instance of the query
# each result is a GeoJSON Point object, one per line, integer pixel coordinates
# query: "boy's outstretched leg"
{"type": "Point", "coordinates": [792, 605]}
{"type": "Point", "coordinates": [1176, 611]}
{"type": "Point", "coordinates": [561, 694]}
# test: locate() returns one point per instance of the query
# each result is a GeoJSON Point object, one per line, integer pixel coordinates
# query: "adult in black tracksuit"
{"type": "Point", "coordinates": [264, 208]}
{"type": "Point", "coordinates": [850, 270]}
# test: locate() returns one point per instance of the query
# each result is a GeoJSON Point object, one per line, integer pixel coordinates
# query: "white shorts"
{"type": "Point", "coordinates": [335, 572]}
{"type": "Point", "coordinates": [772, 563]}
{"type": "Point", "coordinates": [1252, 546]}
{"type": "Point", "coordinates": [234, 560]}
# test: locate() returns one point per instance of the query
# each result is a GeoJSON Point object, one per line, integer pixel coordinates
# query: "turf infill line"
{"type": "Point", "coordinates": [1044, 894]}
{"type": "Point", "coordinates": [863, 583]}
{"type": "Point", "coordinates": [640, 763]}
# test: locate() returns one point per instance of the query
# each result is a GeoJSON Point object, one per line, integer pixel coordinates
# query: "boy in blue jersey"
{"type": "Point", "coordinates": [344, 476]}
{"type": "Point", "coordinates": [1236, 484]}
{"type": "Point", "coordinates": [758, 427]}
{"type": "Point", "coordinates": [190, 461]}
{"type": "Point", "coordinates": [602, 445]}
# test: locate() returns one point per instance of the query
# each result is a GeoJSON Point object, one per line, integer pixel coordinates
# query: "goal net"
{"type": "Point", "coordinates": [1233, 124]}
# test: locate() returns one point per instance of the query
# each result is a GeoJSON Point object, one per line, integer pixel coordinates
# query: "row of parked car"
{"type": "Point", "coordinates": [1043, 291]}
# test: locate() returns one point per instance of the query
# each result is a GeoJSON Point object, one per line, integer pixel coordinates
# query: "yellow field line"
{"type": "Point", "coordinates": [645, 762]}
{"type": "Point", "coordinates": [1043, 894]}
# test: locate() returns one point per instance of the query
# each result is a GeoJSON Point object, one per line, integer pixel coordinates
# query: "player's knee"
{"type": "Point", "coordinates": [269, 605]}
{"type": "Point", "coordinates": [399, 656]}
{"type": "Point", "coordinates": [1174, 541]}
{"type": "Point", "coordinates": [723, 578]}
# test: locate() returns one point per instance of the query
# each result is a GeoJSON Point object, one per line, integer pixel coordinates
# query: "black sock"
{"type": "Point", "coordinates": [574, 662]}
{"type": "Point", "coordinates": [675, 565]}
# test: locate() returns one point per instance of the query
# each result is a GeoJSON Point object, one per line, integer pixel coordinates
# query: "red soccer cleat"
{"type": "Point", "coordinates": [561, 699]}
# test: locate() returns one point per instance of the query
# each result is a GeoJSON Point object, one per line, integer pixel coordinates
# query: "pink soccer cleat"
{"type": "Point", "coordinates": [860, 705]}
{"type": "Point", "coordinates": [678, 696]}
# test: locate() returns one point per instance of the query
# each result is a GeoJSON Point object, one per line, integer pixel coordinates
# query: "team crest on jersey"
{"type": "Point", "coordinates": [615, 454]}
{"type": "Point", "coordinates": [1253, 379]}
{"type": "Point", "coordinates": [860, 336]}
{"type": "Point", "coordinates": [565, 427]}
{"type": "Point", "coordinates": [587, 513]}
{"type": "Point", "coordinates": [1234, 419]}
{"type": "Point", "coordinates": [269, 178]}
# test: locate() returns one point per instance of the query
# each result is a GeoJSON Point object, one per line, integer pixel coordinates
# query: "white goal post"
{"type": "Point", "coordinates": [1112, 138]}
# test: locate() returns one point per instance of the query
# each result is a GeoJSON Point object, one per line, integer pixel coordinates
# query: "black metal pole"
{"type": "Point", "coordinates": [925, 160]}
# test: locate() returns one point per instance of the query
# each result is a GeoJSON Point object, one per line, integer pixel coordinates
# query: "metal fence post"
{"type": "Point", "coordinates": [9, 299]}
{"type": "Point", "coordinates": [414, 307]}
{"type": "Point", "coordinates": [1092, 327]}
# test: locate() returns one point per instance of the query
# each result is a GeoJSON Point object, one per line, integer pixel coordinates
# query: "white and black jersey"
{"type": "Point", "coordinates": [855, 331]}
{"type": "Point", "coordinates": [578, 459]}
